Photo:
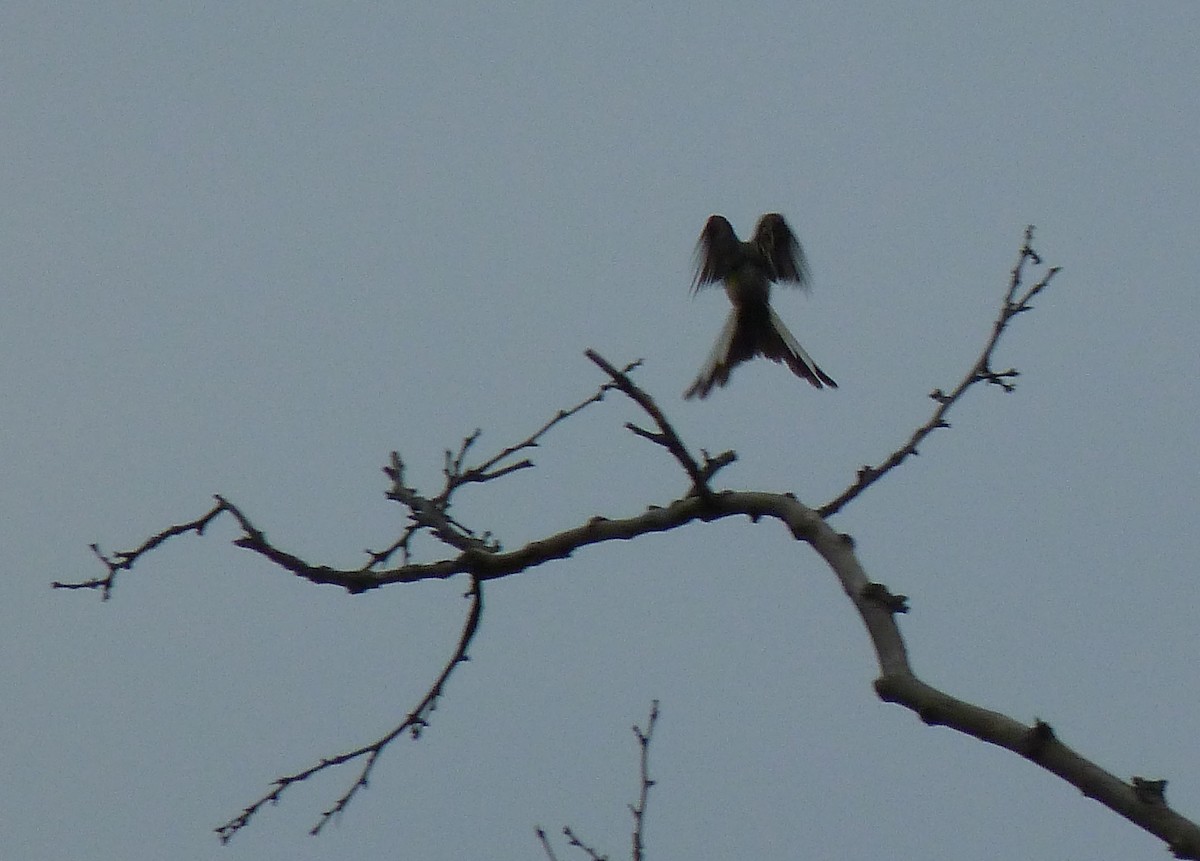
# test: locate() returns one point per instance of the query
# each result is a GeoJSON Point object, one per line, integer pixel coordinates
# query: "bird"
{"type": "Point", "coordinates": [747, 270]}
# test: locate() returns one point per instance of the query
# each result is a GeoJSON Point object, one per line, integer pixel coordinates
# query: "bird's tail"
{"type": "Point", "coordinates": [778, 344]}
{"type": "Point", "coordinates": [748, 333]}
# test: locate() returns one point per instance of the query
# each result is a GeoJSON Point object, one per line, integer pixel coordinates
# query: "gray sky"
{"type": "Point", "coordinates": [250, 251]}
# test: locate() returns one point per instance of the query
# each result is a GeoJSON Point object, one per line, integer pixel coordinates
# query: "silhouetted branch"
{"type": "Point", "coordinates": [124, 560]}
{"type": "Point", "coordinates": [573, 840]}
{"type": "Point", "coordinates": [980, 372]}
{"type": "Point", "coordinates": [432, 513]}
{"type": "Point", "coordinates": [545, 841]}
{"type": "Point", "coordinates": [666, 435]}
{"type": "Point", "coordinates": [1039, 744]}
{"type": "Point", "coordinates": [1140, 800]}
{"type": "Point", "coordinates": [413, 724]}
{"type": "Point", "coordinates": [429, 513]}
{"type": "Point", "coordinates": [638, 809]}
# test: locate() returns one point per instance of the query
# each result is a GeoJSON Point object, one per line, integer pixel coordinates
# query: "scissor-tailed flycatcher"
{"type": "Point", "coordinates": [753, 328]}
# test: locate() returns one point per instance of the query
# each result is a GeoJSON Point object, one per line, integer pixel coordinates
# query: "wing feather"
{"type": "Point", "coordinates": [781, 250]}
{"type": "Point", "coordinates": [716, 252]}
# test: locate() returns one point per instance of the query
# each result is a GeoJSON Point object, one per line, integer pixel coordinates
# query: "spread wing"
{"type": "Point", "coordinates": [717, 251]}
{"type": "Point", "coordinates": [781, 250]}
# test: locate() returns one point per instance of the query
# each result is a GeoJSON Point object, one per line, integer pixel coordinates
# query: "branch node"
{"type": "Point", "coordinates": [931, 715]}
{"type": "Point", "coordinates": [1037, 739]}
{"type": "Point", "coordinates": [886, 689]}
{"type": "Point", "coordinates": [637, 430]}
{"type": "Point", "coordinates": [879, 594]}
{"type": "Point", "coordinates": [669, 438]}
{"type": "Point", "coordinates": [1152, 792]}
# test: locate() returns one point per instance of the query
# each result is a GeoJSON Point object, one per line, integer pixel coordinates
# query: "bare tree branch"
{"type": "Point", "coordinates": [123, 560]}
{"type": "Point", "coordinates": [545, 841]}
{"type": "Point", "coordinates": [638, 809]}
{"type": "Point", "coordinates": [1140, 800]}
{"type": "Point", "coordinates": [425, 513]}
{"type": "Point", "coordinates": [980, 372]}
{"type": "Point", "coordinates": [413, 724]}
{"type": "Point", "coordinates": [666, 435]}
{"type": "Point", "coordinates": [591, 853]}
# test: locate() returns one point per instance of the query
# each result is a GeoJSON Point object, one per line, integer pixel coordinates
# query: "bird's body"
{"type": "Point", "coordinates": [747, 270]}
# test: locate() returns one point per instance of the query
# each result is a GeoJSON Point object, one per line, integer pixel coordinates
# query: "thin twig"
{"type": "Point", "coordinates": [545, 841]}
{"type": "Point", "coordinates": [980, 372]}
{"type": "Point", "coordinates": [432, 513]}
{"type": "Point", "coordinates": [123, 560]}
{"type": "Point", "coordinates": [579, 844]}
{"type": "Point", "coordinates": [413, 724]}
{"type": "Point", "coordinates": [666, 435]}
{"type": "Point", "coordinates": [639, 809]}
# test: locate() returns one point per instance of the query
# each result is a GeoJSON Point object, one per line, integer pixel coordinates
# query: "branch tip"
{"type": "Point", "coordinates": [1010, 306]}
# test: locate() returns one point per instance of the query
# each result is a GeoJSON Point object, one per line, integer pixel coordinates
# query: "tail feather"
{"type": "Point", "coordinates": [742, 338]}
{"type": "Point", "coordinates": [778, 344]}
{"type": "Point", "coordinates": [716, 368]}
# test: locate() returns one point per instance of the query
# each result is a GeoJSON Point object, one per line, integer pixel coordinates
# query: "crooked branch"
{"type": "Point", "coordinates": [1140, 800]}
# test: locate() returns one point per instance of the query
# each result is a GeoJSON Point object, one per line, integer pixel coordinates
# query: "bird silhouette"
{"type": "Point", "coordinates": [747, 270]}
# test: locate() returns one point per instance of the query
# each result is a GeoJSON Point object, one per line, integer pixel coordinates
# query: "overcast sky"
{"type": "Point", "coordinates": [251, 249]}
